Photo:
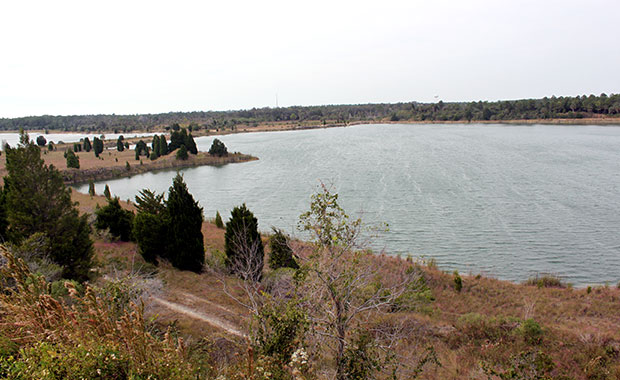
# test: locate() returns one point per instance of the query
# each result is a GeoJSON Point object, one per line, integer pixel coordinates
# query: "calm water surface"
{"type": "Point", "coordinates": [506, 201]}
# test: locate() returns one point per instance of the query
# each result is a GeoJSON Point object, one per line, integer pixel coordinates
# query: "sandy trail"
{"type": "Point", "coordinates": [212, 320]}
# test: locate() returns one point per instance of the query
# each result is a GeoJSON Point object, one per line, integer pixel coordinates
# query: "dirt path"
{"type": "Point", "coordinates": [213, 321]}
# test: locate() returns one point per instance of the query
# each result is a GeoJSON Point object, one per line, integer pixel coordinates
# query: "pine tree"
{"type": "Point", "coordinates": [182, 153]}
{"type": "Point", "coordinates": [91, 188]}
{"type": "Point", "coordinates": [87, 145]}
{"type": "Point", "coordinates": [185, 240]}
{"type": "Point", "coordinates": [243, 245]}
{"type": "Point", "coordinates": [116, 219]}
{"type": "Point", "coordinates": [151, 225]}
{"type": "Point", "coordinates": [38, 201]}
{"type": "Point", "coordinates": [281, 255]}
{"type": "Point", "coordinates": [218, 220]}
{"type": "Point", "coordinates": [106, 192]}
{"type": "Point", "coordinates": [218, 148]}
{"type": "Point", "coordinates": [97, 146]}
{"type": "Point", "coordinates": [73, 161]}
{"type": "Point", "coordinates": [120, 146]}
{"type": "Point", "coordinates": [190, 144]}
{"type": "Point", "coordinates": [163, 146]}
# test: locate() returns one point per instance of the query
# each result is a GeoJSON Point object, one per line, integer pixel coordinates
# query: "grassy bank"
{"type": "Point", "coordinates": [482, 326]}
{"type": "Point", "coordinates": [112, 164]}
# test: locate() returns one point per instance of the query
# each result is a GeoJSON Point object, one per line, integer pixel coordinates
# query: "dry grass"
{"type": "Point", "coordinates": [482, 323]}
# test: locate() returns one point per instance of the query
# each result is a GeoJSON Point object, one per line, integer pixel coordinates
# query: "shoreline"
{"type": "Point", "coordinates": [81, 176]}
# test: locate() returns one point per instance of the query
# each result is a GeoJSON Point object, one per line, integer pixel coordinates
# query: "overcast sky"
{"type": "Point", "coordinates": [128, 57]}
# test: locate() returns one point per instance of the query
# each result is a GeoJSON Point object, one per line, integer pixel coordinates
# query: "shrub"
{"type": "Point", "coordinates": [545, 281]}
{"type": "Point", "coordinates": [281, 255]}
{"type": "Point", "coordinates": [458, 282]}
{"type": "Point", "coordinates": [531, 331]}
{"type": "Point", "coordinates": [475, 326]}
{"type": "Point", "coordinates": [182, 153]}
{"type": "Point", "coordinates": [116, 219]}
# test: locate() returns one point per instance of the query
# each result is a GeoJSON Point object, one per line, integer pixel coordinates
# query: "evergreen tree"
{"type": "Point", "coordinates": [73, 161]}
{"type": "Point", "coordinates": [50, 146]}
{"type": "Point", "coordinates": [218, 148]}
{"type": "Point", "coordinates": [4, 223]}
{"type": "Point", "coordinates": [41, 141]}
{"type": "Point", "coordinates": [150, 225]}
{"type": "Point", "coordinates": [163, 146]}
{"type": "Point", "coordinates": [177, 139]}
{"type": "Point", "coordinates": [182, 153]}
{"type": "Point", "coordinates": [87, 145]}
{"type": "Point", "coordinates": [155, 148]}
{"type": "Point", "coordinates": [116, 219]}
{"type": "Point", "coordinates": [281, 255]}
{"type": "Point", "coordinates": [218, 220]}
{"type": "Point", "coordinates": [91, 188]}
{"type": "Point", "coordinates": [120, 146]}
{"type": "Point", "coordinates": [243, 245]}
{"type": "Point", "coordinates": [190, 144]}
{"type": "Point", "coordinates": [97, 146]}
{"type": "Point", "coordinates": [38, 201]}
{"type": "Point", "coordinates": [106, 192]}
{"type": "Point", "coordinates": [185, 240]}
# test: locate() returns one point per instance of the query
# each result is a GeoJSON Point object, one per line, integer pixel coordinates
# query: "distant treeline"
{"type": "Point", "coordinates": [546, 108]}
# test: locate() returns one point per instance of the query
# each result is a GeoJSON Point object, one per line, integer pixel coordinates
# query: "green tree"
{"type": "Point", "coordinates": [38, 201]}
{"type": "Point", "coordinates": [155, 148]}
{"type": "Point", "coordinates": [182, 153]}
{"type": "Point", "coordinates": [243, 246]}
{"type": "Point", "coordinates": [87, 145]}
{"type": "Point", "coordinates": [41, 141]}
{"type": "Point", "coordinates": [50, 146]}
{"type": "Point", "coordinates": [218, 220]}
{"type": "Point", "coordinates": [190, 144]}
{"type": "Point", "coordinates": [113, 217]}
{"type": "Point", "coordinates": [218, 148]}
{"type": "Point", "coordinates": [281, 255]}
{"type": "Point", "coordinates": [163, 146]}
{"type": "Point", "coordinates": [91, 188]}
{"type": "Point", "coordinates": [151, 225]}
{"type": "Point", "coordinates": [120, 146]}
{"type": "Point", "coordinates": [97, 146]}
{"type": "Point", "coordinates": [185, 239]}
{"type": "Point", "coordinates": [73, 161]}
{"type": "Point", "coordinates": [106, 192]}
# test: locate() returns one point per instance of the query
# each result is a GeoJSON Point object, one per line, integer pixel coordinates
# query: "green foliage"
{"type": "Point", "coordinates": [87, 145]}
{"type": "Point", "coordinates": [141, 149]}
{"type": "Point", "coordinates": [149, 231]}
{"type": "Point", "coordinates": [243, 245]}
{"type": "Point", "coordinates": [361, 358]}
{"type": "Point", "coordinates": [35, 252]}
{"type": "Point", "coordinates": [185, 239]}
{"type": "Point", "coordinates": [281, 326]}
{"type": "Point", "coordinates": [38, 201]}
{"type": "Point", "coordinates": [155, 149]}
{"type": "Point", "coordinates": [91, 188]}
{"type": "Point", "coordinates": [97, 146]}
{"type": "Point", "coordinates": [531, 331]}
{"type": "Point", "coordinates": [106, 192]}
{"type": "Point", "coordinates": [120, 146]}
{"type": "Point", "coordinates": [546, 281]}
{"type": "Point", "coordinates": [182, 153]}
{"type": "Point", "coordinates": [191, 144]}
{"type": "Point", "coordinates": [73, 161]}
{"type": "Point", "coordinates": [527, 365]}
{"type": "Point", "coordinates": [478, 327]}
{"type": "Point", "coordinates": [50, 146]}
{"type": "Point", "coordinates": [218, 220]}
{"type": "Point", "coordinates": [41, 141]}
{"type": "Point", "coordinates": [281, 255]}
{"type": "Point", "coordinates": [218, 148]}
{"type": "Point", "coordinates": [458, 282]}
{"type": "Point", "coordinates": [116, 219]}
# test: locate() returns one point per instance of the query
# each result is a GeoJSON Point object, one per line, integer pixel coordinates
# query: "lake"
{"type": "Point", "coordinates": [504, 201]}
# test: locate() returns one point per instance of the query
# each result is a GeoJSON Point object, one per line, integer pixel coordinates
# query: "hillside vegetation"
{"type": "Point", "coordinates": [578, 107]}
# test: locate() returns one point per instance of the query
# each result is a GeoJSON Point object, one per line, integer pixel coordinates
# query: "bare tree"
{"type": "Point", "coordinates": [346, 284]}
